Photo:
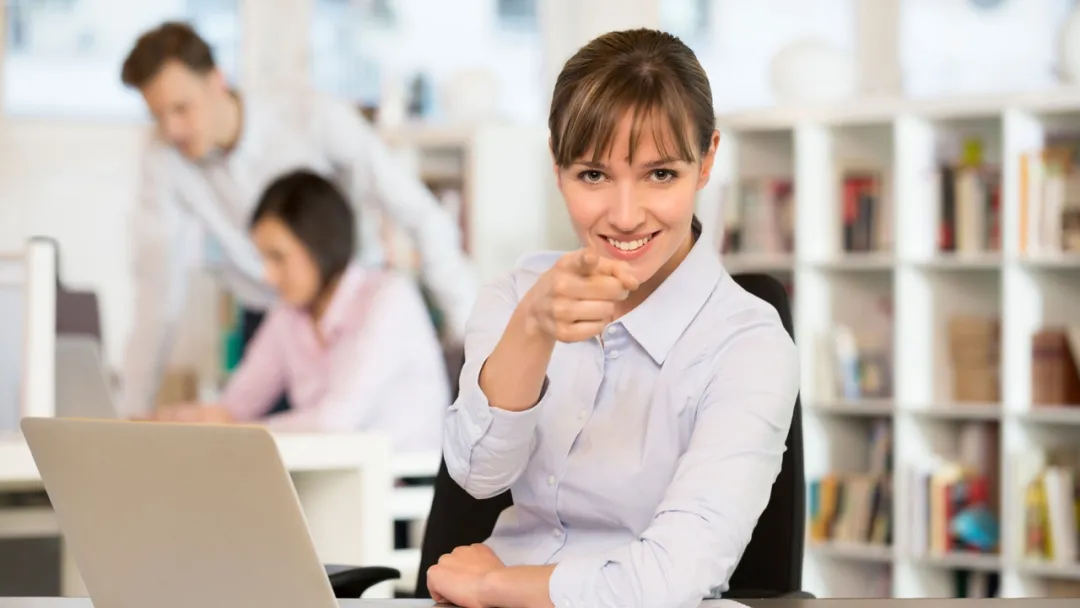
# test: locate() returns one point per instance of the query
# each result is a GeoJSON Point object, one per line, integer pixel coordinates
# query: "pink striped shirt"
{"type": "Point", "coordinates": [381, 367]}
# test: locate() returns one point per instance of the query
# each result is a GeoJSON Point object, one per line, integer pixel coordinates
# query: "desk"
{"type": "Point", "coordinates": [343, 481]}
{"type": "Point", "coordinates": [859, 603]}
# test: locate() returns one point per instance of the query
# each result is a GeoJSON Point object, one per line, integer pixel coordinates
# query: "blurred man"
{"type": "Point", "coordinates": [214, 151]}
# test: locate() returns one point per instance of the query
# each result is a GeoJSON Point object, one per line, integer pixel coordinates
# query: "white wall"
{"type": "Point", "coordinates": [75, 182]}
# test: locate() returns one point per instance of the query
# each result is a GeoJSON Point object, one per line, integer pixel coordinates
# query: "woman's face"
{"type": "Point", "coordinates": [639, 212]}
{"type": "Point", "coordinates": [289, 267]}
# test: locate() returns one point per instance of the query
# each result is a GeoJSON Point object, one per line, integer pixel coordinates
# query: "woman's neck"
{"type": "Point", "coordinates": [322, 301]}
{"type": "Point", "coordinates": [648, 287]}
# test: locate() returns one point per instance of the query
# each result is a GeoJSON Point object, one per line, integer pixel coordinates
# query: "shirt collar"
{"type": "Point", "coordinates": [336, 315]}
{"type": "Point", "coordinates": [659, 321]}
{"type": "Point", "coordinates": [250, 132]}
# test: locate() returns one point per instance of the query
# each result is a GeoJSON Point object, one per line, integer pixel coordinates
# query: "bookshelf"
{"type": "Point", "coordinates": [495, 179]}
{"type": "Point", "coordinates": [943, 322]}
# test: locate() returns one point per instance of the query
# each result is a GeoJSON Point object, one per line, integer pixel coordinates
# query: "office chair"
{"type": "Point", "coordinates": [771, 566]}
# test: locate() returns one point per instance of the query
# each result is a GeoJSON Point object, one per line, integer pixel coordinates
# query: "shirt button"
{"type": "Point", "coordinates": [581, 415]}
{"type": "Point", "coordinates": [556, 532]}
{"type": "Point", "coordinates": [614, 354]}
{"type": "Point", "coordinates": [611, 330]}
{"type": "Point", "coordinates": [551, 480]}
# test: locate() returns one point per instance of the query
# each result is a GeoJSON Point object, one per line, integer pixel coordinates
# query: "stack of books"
{"type": "Point", "coordinates": [975, 355]}
{"type": "Point", "coordinates": [969, 203]}
{"type": "Point", "coordinates": [864, 211]}
{"type": "Point", "coordinates": [1055, 366]}
{"type": "Point", "coordinates": [1051, 505]}
{"type": "Point", "coordinates": [1050, 198]}
{"type": "Point", "coordinates": [856, 508]}
{"type": "Point", "coordinates": [760, 218]}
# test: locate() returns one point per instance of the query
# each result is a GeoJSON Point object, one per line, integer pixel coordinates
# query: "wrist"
{"type": "Point", "coordinates": [516, 587]}
{"type": "Point", "coordinates": [492, 588]}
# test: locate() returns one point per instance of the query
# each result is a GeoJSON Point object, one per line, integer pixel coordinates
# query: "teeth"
{"type": "Point", "coordinates": [629, 245]}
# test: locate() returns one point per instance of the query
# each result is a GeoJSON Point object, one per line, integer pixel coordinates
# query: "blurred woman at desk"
{"type": "Point", "coordinates": [355, 348]}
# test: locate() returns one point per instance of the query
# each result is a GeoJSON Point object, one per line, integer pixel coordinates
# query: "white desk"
{"type": "Point", "coordinates": [344, 482]}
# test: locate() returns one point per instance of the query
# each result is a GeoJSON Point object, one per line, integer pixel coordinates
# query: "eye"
{"type": "Point", "coordinates": [664, 175]}
{"type": "Point", "coordinates": [591, 176]}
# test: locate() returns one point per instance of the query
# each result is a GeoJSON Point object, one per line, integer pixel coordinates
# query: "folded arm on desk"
{"type": "Point", "coordinates": [709, 511]}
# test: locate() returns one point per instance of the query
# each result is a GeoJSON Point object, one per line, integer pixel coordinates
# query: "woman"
{"type": "Point", "coordinates": [633, 398]}
{"type": "Point", "coordinates": [353, 348]}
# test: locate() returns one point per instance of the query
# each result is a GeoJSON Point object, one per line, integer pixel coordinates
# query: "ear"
{"type": "Point", "coordinates": [708, 160]}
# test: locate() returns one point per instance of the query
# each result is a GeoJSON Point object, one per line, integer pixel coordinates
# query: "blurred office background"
{"type": "Point", "coordinates": [906, 167]}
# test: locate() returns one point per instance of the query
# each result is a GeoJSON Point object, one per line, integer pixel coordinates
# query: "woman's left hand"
{"type": "Point", "coordinates": [460, 576]}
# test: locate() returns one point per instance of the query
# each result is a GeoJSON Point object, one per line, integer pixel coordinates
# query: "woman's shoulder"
{"type": "Point", "coordinates": [734, 320]}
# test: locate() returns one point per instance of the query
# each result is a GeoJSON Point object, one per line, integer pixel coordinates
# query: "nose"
{"type": "Point", "coordinates": [627, 213]}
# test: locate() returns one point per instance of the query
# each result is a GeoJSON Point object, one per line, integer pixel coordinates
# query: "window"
{"type": "Point", "coordinates": [517, 15]}
{"type": "Point", "coordinates": [55, 47]}
{"type": "Point", "coordinates": [420, 48]}
{"type": "Point", "coordinates": [687, 19]}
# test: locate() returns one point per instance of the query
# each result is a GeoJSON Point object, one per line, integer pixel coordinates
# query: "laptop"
{"type": "Point", "coordinates": [82, 391]}
{"type": "Point", "coordinates": [178, 515]}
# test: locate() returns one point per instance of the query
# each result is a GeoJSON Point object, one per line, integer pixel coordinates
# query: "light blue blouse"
{"type": "Point", "coordinates": [645, 465]}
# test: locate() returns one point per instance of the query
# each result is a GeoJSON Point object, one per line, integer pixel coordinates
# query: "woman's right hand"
{"type": "Point", "coordinates": [577, 297]}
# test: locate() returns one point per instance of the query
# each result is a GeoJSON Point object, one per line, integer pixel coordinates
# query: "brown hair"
{"type": "Point", "coordinates": [650, 73]}
{"type": "Point", "coordinates": [171, 41]}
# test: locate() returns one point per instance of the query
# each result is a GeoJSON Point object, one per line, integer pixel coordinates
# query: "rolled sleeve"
{"type": "Point", "coordinates": [500, 430]}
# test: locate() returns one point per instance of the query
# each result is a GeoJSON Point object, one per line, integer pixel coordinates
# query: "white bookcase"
{"type": "Point", "coordinates": [923, 287]}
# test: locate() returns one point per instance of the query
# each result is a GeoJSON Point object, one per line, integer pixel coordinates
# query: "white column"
{"type": "Point", "coordinates": [567, 25]}
{"type": "Point", "coordinates": [276, 43]}
{"type": "Point", "coordinates": [877, 47]}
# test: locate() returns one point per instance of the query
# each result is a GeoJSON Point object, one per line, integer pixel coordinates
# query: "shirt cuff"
{"type": "Point", "coordinates": [573, 582]}
{"type": "Point", "coordinates": [497, 427]}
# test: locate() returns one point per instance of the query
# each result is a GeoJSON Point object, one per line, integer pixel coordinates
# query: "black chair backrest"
{"type": "Point", "coordinates": [772, 562]}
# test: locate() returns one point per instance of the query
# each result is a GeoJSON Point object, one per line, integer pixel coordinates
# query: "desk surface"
{"type": "Point", "coordinates": [822, 603]}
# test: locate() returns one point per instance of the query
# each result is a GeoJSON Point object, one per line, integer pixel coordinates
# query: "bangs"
{"type": "Point", "coordinates": [598, 104]}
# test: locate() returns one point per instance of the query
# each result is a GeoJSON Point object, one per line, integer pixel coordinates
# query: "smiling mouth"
{"type": "Point", "coordinates": [630, 246]}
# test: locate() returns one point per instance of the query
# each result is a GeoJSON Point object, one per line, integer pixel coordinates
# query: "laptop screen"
{"type": "Point", "coordinates": [12, 332]}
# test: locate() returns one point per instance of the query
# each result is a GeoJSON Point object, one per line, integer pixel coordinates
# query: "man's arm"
{"type": "Point", "coordinates": [163, 239]}
{"type": "Point", "coordinates": [354, 146]}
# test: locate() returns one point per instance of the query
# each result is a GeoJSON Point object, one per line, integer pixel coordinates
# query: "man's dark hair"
{"type": "Point", "coordinates": [313, 209]}
{"type": "Point", "coordinates": [170, 41]}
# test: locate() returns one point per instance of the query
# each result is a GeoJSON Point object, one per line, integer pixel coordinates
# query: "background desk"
{"type": "Point", "coordinates": [344, 483]}
{"type": "Point", "coordinates": [854, 603]}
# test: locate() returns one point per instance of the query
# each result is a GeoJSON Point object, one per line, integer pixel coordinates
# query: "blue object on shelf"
{"type": "Point", "coordinates": [977, 527]}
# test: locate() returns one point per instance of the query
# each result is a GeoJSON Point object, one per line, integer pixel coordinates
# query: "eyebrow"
{"type": "Point", "coordinates": [651, 165]}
